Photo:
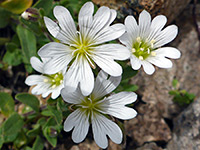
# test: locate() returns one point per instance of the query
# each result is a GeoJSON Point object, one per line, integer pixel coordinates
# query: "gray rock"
{"type": "Point", "coordinates": [186, 133]}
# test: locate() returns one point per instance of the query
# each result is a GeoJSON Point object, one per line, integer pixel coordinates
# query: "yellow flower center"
{"type": "Point", "coordinates": [83, 49]}
{"type": "Point", "coordinates": [54, 79]}
{"type": "Point", "coordinates": [143, 49]}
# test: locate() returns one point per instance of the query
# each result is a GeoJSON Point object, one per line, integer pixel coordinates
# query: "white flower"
{"type": "Point", "coordinates": [95, 109]}
{"type": "Point", "coordinates": [45, 84]}
{"type": "Point", "coordinates": [83, 49]}
{"type": "Point", "coordinates": [145, 40]}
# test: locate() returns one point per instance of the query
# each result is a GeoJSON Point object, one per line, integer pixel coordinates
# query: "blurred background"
{"type": "Point", "coordinates": [168, 102]}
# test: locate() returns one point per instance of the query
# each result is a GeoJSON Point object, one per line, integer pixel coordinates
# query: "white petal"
{"type": "Point", "coordinates": [36, 64]}
{"type": "Point", "coordinates": [101, 126]}
{"type": "Point", "coordinates": [57, 64]}
{"type": "Point", "coordinates": [115, 51]}
{"type": "Point", "coordinates": [113, 15]}
{"type": "Point", "coordinates": [169, 52]}
{"type": "Point", "coordinates": [86, 10]}
{"type": "Point", "coordinates": [54, 49]}
{"type": "Point", "coordinates": [80, 71]}
{"type": "Point", "coordinates": [80, 122]}
{"type": "Point", "coordinates": [166, 36]}
{"type": "Point", "coordinates": [75, 97]}
{"type": "Point", "coordinates": [34, 79]}
{"type": "Point", "coordinates": [161, 62]}
{"type": "Point", "coordinates": [104, 86]}
{"type": "Point", "coordinates": [110, 33]}
{"type": "Point", "coordinates": [56, 32]}
{"type": "Point", "coordinates": [156, 26]}
{"type": "Point", "coordinates": [122, 98]}
{"type": "Point", "coordinates": [114, 105]}
{"type": "Point", "coordinates": [108, 65]}
{"type": "Point", "coordinates": [132, 27]}
{"type": "Point", "coordinates": [144, 24]}
{"type": "Point", "coordinates": [85, 18]}
{"type": "Point", "coordinates": [55, 93]}
{"type": "Point", "coordinates": [126, 40]}
{"type": "Point", "coordinates": [66, 21]}
{"type": "Point", "coordinates": [148, 67]}
{"type": "Point", "coordinates": [135, 62]}
{"type": "Point", "coordinates": [52, 27]}
{"type": "Point", "coordinates": [81, 129]}
{"type": "Point", "coordinates": [45, 94]}
{"type": "Point", "coordinates": [41, 88]}
{"type": "Point", "coordinates": [101, 18]}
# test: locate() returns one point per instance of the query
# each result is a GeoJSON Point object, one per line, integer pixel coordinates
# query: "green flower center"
{"type": "Point", "coordinates": [90, 106]}
{"type": "Point", "coordinates": [143, 49]}
{"type": "Point", "coordinates": [54, 79]}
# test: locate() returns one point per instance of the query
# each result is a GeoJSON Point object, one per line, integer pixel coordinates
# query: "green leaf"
{"type": "Point", "coordinates": [11, 127]}
{"type": "Point", "coordinates": [29, 100]}
{"type": "Point", "coordinates": [128, 73]}
{"type": "Point", "coordinates": [51, 140]}
{"type": "Point", "coordinates": [44, 4]}
{"type": "Point", "coordinates": [28, 44]}
{"type": "Point", "coordinates": [174, 83]}
{"type": "Point", "coordinates": [50, 122]}
{"type": "Point", "coordinates": [38, 144]}
{"type": "Point", "coordinates": [56, 113]}
{"type": "Point", "coordinates": [173, 92]}
{"type": "Point", "coordinates": [34, 26]}
{"type": "Point", "coordinates": [13, 55]}
{"type": "Point", "coordinates": [20, 140]}
{"type": "Point", "coordinates": [6, 104]}
{"type": "Point", "coordinates": [27, 148]}
{"type": "Point", "coordinates": [35, 131]}
{"type": "Point", "coordinates": [4, 17]}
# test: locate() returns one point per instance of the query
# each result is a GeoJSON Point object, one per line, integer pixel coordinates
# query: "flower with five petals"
{"type": "Point", "coordinates": [144, 41]}
{"type": "Point", "coordinates": [95, 109]}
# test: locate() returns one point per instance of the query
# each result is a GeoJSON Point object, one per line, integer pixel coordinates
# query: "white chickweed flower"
{"type": "Point", "coordinates": [144, 40]}
{"type": "Point", "coordinates": [82, 50]}
{"type": "Point", "coordinates": [95, 109]}
{"type": "Point", "coordinates": [45, 84]}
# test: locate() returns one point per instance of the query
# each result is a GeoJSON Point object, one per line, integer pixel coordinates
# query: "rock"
{"type": "Point", "coordinates": [186, 132]}
{"type": "Point", "coordinates": [155, 7]}
{"type": "Point", "coordinates": [150, 146]}
{"type": "Point", "coordinates": [86, 145]}
{"type": "Point", "coordinates": [148, 126]}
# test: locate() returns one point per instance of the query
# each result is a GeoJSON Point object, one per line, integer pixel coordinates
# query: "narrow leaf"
{"type": "Point", "coordinates": [28, 44]}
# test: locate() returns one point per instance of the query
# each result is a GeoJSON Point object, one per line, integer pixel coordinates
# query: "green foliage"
{"type": "Point", "coordinates": [38, 144]}
{"type": "Point", "coordinates": [46, 5]}
{"type": "Point", "coordinates": [29, 100]}
{"type": "Point", "coordinates": [10, 129]}
{"type": "Point", "coordinates": [28, 44]}
{"type": "Point", "coordinates": [6, 104]}
{"type": "Point", "coordinates": [125, 82]}
{"type": "Point", "coordinates": [181, 97]}
{"type": "Point", "coordinates": [4, 17]}
{"type": "Point", "coordinates": [13, 55]}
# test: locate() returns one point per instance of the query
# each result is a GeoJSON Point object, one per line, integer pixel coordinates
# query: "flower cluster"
{"type": "Point", "coordinates": [67, 66]}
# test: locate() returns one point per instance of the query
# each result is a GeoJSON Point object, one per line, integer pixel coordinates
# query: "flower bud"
{"type": "Point", "coordinates": [30, 14]}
